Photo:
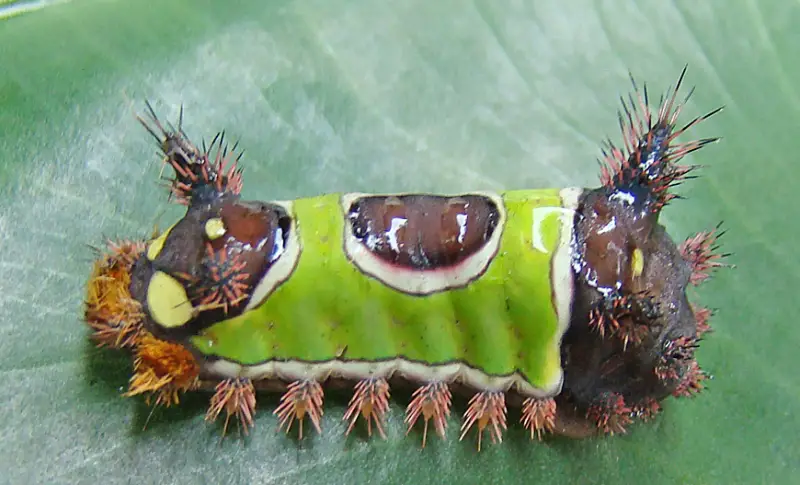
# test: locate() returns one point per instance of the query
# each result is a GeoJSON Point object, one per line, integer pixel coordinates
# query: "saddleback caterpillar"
{"type": "Point", "coordinates": [569, 304]}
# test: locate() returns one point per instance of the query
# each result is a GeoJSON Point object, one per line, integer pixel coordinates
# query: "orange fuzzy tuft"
{"type": "Point", "coordinates": [162, 369]}
{"type": "Point", "coordinates": [111, 313]}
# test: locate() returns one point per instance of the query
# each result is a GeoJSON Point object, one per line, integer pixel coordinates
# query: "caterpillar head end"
{"type": "Point", "coordinates": [205, 267]}
{"type": "Point", "coordinates": [634, 332]}
{"type": "Point", "coordinates": [630, 311]}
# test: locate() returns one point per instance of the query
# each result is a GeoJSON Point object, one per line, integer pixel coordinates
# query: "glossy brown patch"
{"type": "Point", "coordinates": [424, 231]}
{"type": "Point", "coordinates": [256, 233]}
{"type": "Point", "coordinates": [621, 320]}
{"type": "Point", "coordinates": [609, 231]}
{"type": "Point", "coordinates": [218, 274]}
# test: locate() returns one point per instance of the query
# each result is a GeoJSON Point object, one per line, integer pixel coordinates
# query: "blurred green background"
{"type": "Point", "coordinates": [345, 95]}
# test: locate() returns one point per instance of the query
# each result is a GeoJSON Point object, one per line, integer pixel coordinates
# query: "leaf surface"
{"type": "Point", "coordinates": [343, 95]}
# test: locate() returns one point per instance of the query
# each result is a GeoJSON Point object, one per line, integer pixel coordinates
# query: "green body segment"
{"type": "Point", "coordinates": [503, 322]}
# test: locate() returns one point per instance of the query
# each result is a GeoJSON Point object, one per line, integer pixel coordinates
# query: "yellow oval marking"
{"type": "Point", "coordinates": [215, 229]}
{"type": "Point", "coordinates": [167, 301]}
{"type": "Point", "coordinates": [157, 244]}
{"type": "Point", "coordinates": [637, 262]}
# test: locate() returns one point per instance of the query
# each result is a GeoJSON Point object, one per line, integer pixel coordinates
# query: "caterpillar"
{"type": "Point", "coordinates": [568, 304]}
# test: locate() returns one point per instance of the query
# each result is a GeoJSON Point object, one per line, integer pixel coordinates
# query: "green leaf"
{"type": "Point", "coordinates": [344, 95]}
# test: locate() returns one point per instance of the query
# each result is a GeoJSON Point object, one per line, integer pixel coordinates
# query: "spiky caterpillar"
{"type": "Point", "coordinates": [568, 303]}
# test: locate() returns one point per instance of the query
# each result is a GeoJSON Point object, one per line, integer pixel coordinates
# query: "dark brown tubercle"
{"type": "Point", "coordinates": [223, 246]}
{"type": "Point", "coordinates": [622, 322]}
{"type": "Point", "coordinates": [633, 333]}
{"type": "Point", "coordinates": [423, 232]}
{"type": "Point", "coordinates": [218, 274]}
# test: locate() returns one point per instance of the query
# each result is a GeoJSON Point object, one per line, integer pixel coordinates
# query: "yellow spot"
{"type": "Point", "coordinates": [637, 263]}
{"type": "Point", "coordinates": [157, 244]}
{"type": "Point", "coordinates": [166, 298]}
{"type": "Point", "coordinates": [215, 229]}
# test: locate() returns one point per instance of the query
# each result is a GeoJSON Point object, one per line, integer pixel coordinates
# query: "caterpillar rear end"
{"type": "Point", "coordinates": [568, 303]}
